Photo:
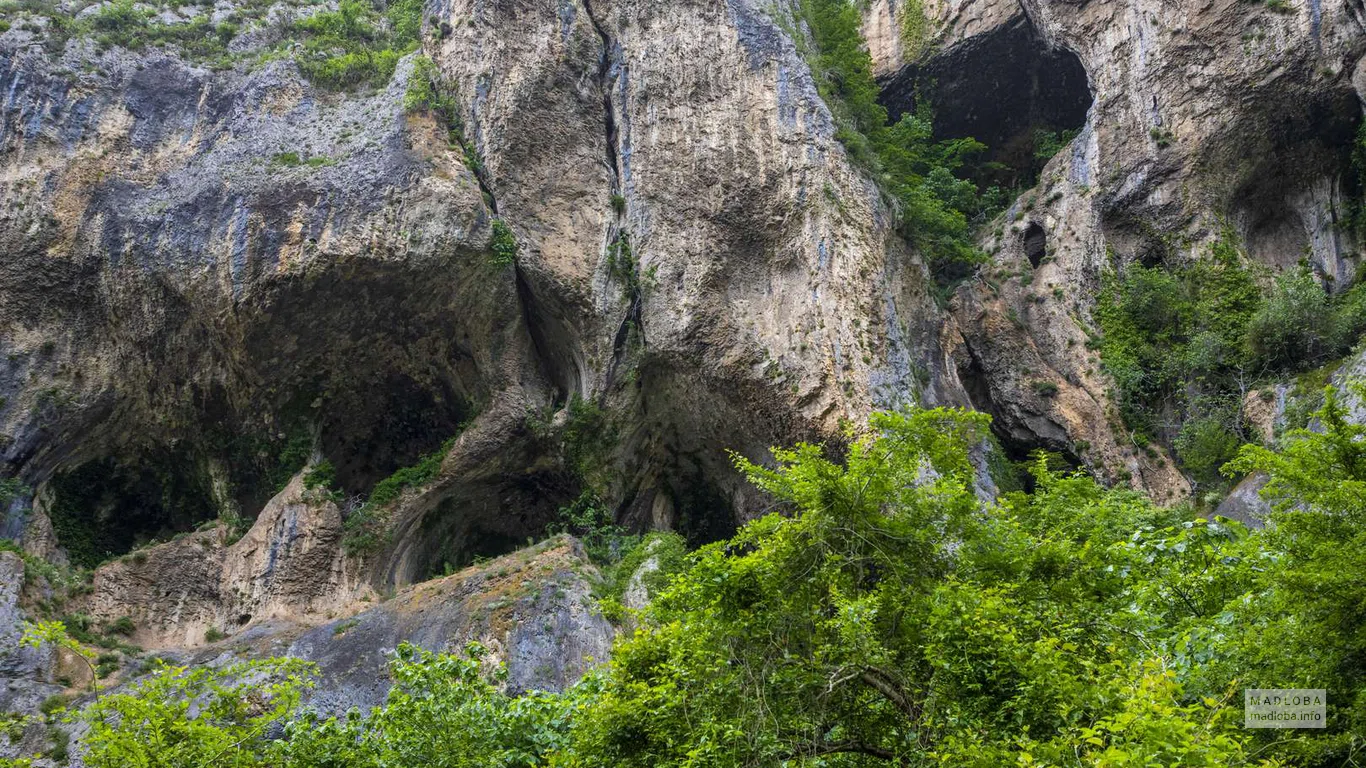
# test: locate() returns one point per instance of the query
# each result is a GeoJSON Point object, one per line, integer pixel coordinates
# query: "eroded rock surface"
{"type": "Point", "coordinates": [205, 267]}
{"type": "Point", "coordinates": [1201, 116]}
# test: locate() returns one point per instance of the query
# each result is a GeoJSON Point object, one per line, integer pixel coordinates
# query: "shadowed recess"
{"type": "Point", "coordinates": [1009, 89]}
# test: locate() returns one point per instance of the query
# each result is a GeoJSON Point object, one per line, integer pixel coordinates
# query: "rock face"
{"type": "Point", "coordinates": [27, 675]}
{"type": "Point", "coordinates": [533, 610]}
{"type": "Point", "coordinates": [1201, 116]}
{"type": "Point", "coordinates": [696, 255]}
{"type": "Point", "coordinates": [290, 565]}
{"type": "Point", "coordinates": [213, 277]}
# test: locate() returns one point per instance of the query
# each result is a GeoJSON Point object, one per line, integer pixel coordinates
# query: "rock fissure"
{"type": "Point", "coordinates": [621, 255]}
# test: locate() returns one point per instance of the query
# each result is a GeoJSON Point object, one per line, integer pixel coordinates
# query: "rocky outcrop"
{"type": "Point", "coordinates": [696, 255]}
{"type": "Point", "coordinates": [215, 275]}
{"type": "Point", "coordinates": [765, 296]}
{"type": "Point", "coordinates": [289, 565]}
{"type": "Point", "coordinates": [533, 610]}
{"type": "Point", "coordinates": [1200, 116]}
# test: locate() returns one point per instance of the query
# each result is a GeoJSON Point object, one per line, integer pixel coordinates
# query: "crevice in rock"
{"type": "Point", "coordinates": [604, 85]}
{"type": "Point", "coordinates": [1010, 89]}
{"type": "Point", "coordinates": [618, 241]}
{"type": "Point", "coordinates": [553, 348]}
{"type": "Point", "coordinates": [1019, 442]}
{"type": "Point", "coordinates": [1035, 244]}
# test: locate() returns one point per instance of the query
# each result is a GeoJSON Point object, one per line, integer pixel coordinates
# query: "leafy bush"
{"type": "Point", "coordinates": [588, 440]}
{"type": "Point", "coordinates": [1171, 335]}
{"type": "Point", "coordinates": [1291, 329]}
{"type": "Point", "coordinates": [202, 716]}
{"type": "Point", "coordinates": [591, 522]}
{"type": "Point", "coordinates": [502, 244]}
{"type": "Point", "coordinates": [1300, 326]}
{"type": "Point", "coordinates": [886, 616]}
{"type": "Point", "coordinates": [355, 45]}
{"type": "Point", "coordinates": [320, 476]}
{"type": "Point", "coordinates": [122, 626]}
{"type": "Point", "coordinates": [1205, 444]}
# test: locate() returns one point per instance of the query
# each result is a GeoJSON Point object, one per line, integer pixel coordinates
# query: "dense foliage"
{"type": "Point", "coordinates": [1185, 343]}
{"type": "Point", "coordinates": [888, 616]}
{"type": "Point", "coordinates": [357, 43]}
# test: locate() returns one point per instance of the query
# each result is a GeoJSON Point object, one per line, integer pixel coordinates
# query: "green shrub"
{"type": "Point", "coordinates": [61, 742]}
{"type": "Point", "coordinates": [356, 46]}
{"type": "Point", "coordinates": [320, 476]}
{"type": "Point", "coordinates": [1171, 333]}
{"type": "Point", "coordinates": [1205, 444]}
{"type": "Point", "coordinates": [1044, 388]}
{"type": "Point", "coordinates": [590, 521]}
{"type": "Point", "coordinates": [622, 266]}
{"type": "Point", "coordinates": [1292, 328]}
{"type": "Point", "coordinates": [670, 552]}
{"type": "Point", "coordinates": [106, 664]}
{"type": "Point", "coordinates": [53, 704]}
{"type": "Point", "coordinates": [214, 634]}
{"type": "Point", "coordinates": [502, 244]}
{"type": "Point", "coordinates": [589, 438]}
{"type": "Point", "coordinates": [122, 626]}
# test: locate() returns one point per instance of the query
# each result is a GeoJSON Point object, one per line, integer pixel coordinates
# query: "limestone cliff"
{"type": "Point", "coordinates": [628, 241]}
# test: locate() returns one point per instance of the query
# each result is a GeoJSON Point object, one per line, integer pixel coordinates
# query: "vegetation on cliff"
{"type": "Point", "coordinates": [887, 615]}
{"type": "Point", "coordinates": [937, 209]}
{"type": "Point", "coordinates": [354, 43]}
{"type": "Point", "coordinates": [1185, 343]}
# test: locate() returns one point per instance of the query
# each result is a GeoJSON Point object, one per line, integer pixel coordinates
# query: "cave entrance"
{"type": "Point", "coordinates": [1009, 89]}
{"type": "Point", "coordinates": [106, 508]}
{"type": "Point", "coordinates": [371, 432]}
{"type": "Point", "coordinates": [1035, 244]}
{"type": "Point", "coordinates": [1297, 179]}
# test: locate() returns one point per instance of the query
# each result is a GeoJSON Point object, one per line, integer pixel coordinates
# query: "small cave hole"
{"type": "Point", "coordinates": [108, 507]}
{"type": "Point", "coordinates": [1035, 244]}
{"type": "Point", "coordinates": [483, 520]}
{"type": "Point", "coordinates": [1010, 89]}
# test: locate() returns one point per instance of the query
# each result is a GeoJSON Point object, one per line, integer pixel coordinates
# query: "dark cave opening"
{"type": "Point", "coordinates": [1280, 154]}
{"type": "Point", "coordinates": [106, 507]}
{"type": "Point", "coordinates": [484, 520]}
{"type": "Point", "coordinates": [1009, 89]}
{"type": "Point", "coordinates": [702, 513]}
{"type": "Point", "coordinates": [1035, 244]}
{"type": "Point", "coordinates": [370, 432]}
